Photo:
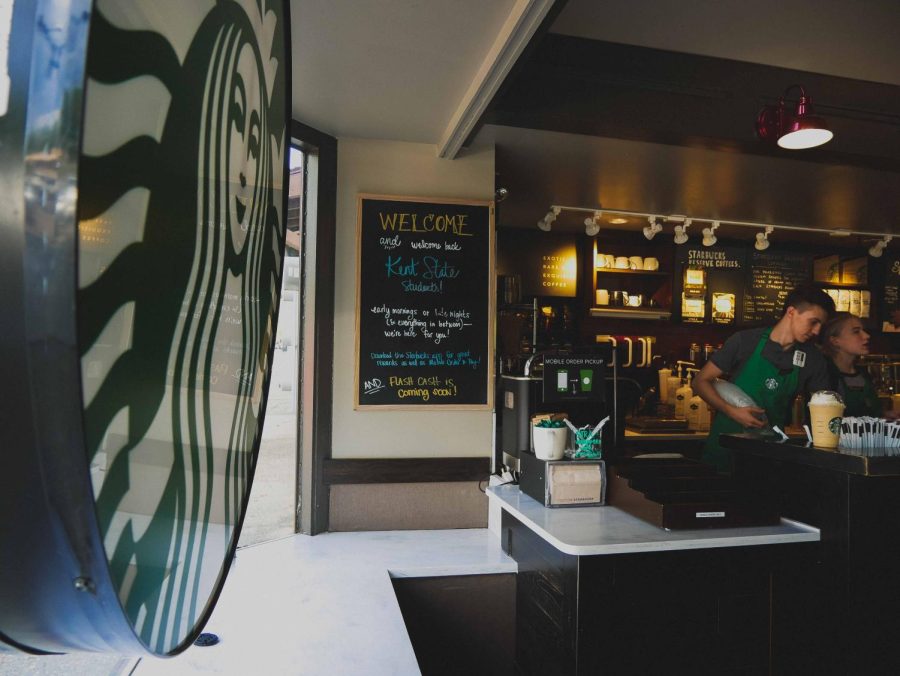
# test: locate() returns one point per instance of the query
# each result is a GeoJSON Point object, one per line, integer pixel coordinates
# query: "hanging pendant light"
{"type": "Point", "coordinates": [798, 130]}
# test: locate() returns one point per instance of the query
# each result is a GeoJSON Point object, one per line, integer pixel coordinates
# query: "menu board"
{"type": "Point", "coordinates": [772, 276]}
{"type": "Point", "coordinates": [890, 299]}
{"type": "Point", "coordinates": [726, 272]}
{"type": "Point", "coordinates": [424, 315]}
{"type": "Point", "coordinates": [546, 262]}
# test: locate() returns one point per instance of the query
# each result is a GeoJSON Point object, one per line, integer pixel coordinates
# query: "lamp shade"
{"type": "Point", "coordinates": [803, 132]}
{"type": "Point", "coordinates": [799, 130]}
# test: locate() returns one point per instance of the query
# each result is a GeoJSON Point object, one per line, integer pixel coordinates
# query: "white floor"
{"type": "Point", "coordinates": [325, 604]}
{"type": "Point", "coordinates": [303, 605]}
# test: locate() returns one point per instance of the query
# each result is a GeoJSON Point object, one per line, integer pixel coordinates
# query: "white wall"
{"type": "Point", "coordinates": [395, 168]}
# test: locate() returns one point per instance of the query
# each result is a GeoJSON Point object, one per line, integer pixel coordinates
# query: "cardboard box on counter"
{"type": "Point", "coordinates": [538, 417]}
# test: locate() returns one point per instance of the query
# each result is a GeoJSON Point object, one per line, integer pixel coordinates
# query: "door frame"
{"type": "Point", "coordinates": [317, 275]}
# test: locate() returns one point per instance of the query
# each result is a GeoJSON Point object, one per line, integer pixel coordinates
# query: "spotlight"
{"type": "Point", "coordinates": [547, 221]}
{"type": "Point", "coordinates": [654, 227]}
{"type": "Point", "coordinates": [878, 248]}
{"type": "Point", "coordinates": [681, 235]}
{"type": "Point", "coordinates": [762, 238]}
{"type": "Point", "coordinates": [793, 131]}
{"type": "Point", "coordinates": [709, 234]}
{"type": "Point", "coordinates": [592, 225]}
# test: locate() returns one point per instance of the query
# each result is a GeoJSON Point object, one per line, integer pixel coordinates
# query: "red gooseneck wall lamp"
{"type": "Point", "coordinates": [793, 131]}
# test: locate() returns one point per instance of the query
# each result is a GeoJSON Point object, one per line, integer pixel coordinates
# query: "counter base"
{"type": "Point", "coordinates": [686, 611]}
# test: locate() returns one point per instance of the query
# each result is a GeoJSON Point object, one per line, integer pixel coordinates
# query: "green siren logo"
{"type": "Point", "coordinates": [180, 251]}
{"type": "Point", "coordinates": [834, 426]}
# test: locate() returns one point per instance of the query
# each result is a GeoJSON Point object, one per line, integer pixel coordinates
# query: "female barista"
{"type": "Point", "coordinates": [771, 365]}
{"type": "Point", "coordinates": [844, 340]}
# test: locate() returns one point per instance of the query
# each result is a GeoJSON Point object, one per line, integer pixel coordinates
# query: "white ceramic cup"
{"type": "Point", "coordinates": [635, 300]}
{"type": "Point", "coordinates": [636, 262]}
{"type": "Point", "coordinates": [651, 264]}
{"type": "Point", "coordinates": [610, 260]}
{"type": "Point", "coordinates": [549, 442]}
{"type": "Point", "coordinates": [602, 296]}
{"type": "Point", "coordinates": [601, 260]}
{"type": "Point", "coordinates": [622, 263]}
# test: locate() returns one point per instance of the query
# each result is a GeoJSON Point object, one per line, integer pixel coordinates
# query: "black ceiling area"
{"type": "Point", "coordinates": [590, 123]}
{"type": "Point", "coordinates": [621, 91]}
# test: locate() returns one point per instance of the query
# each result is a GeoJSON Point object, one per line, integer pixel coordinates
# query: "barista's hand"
{"type": "Point", "coordinates": [747, 416]}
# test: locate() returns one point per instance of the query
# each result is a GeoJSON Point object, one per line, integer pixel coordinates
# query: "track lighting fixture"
{"type": "Point", "coordinates": [878, 248]}
{"type": "Point", "coordinates": [547, 221]}
{"type": "Point", "coordinates": [793, 131]}
{"type": "Point", "coordinates": [592, 224]}
{"type": "Point", "coordinates": [681, 222]}
{"type": "Point", "coordinates": [762, 238]}
{"type": "Point", "coordinates": [709, 234]}
{"type": "Point", "coordinates": [681, 235]}
{"type": "Point", "coordinates": [654, 227]}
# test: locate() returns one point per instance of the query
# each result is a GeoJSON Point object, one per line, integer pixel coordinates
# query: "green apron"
{"type": "Point", "coordinates": [859, 401]}
{"type": "Point", "coordinates": [768, 387]}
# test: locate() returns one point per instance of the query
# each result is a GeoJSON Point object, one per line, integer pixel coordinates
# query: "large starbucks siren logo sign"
{"type": "Point", "coordinates": [143, 163]}
{"type": "Point", "coordinates": [181, 241]}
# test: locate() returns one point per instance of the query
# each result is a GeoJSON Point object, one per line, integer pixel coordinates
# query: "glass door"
{"type": "Point", "coordinates": [271, 513]}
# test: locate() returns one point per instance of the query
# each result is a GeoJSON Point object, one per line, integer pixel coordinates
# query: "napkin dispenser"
{"type": "Point", "coordinates": [563, 483]}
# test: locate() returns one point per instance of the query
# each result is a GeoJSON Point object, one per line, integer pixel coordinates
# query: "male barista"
{"type": "Point", "coordinates": [771, 365]}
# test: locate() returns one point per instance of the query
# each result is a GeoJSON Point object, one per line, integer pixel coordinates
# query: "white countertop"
{"type": "Point", "coordinates": [586, 531]}
{"type": "Point", "coordinates": [325, 605]}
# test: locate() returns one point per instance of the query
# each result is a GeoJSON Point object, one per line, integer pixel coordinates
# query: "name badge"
{"type": "Point", "coordinates": [799, 358]}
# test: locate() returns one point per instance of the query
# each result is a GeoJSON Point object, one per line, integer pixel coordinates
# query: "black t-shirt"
{"type": "Point", "coordinates": [858, 380]}
{"type": "Point", "coordinates": [739, 348]}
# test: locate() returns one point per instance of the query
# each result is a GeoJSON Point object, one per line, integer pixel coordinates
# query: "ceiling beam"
{"type": "Point", "coordinates": [521, 24]}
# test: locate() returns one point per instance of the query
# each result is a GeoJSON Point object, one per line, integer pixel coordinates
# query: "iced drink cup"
{"type": "Point", "coordinates": [825, 412]}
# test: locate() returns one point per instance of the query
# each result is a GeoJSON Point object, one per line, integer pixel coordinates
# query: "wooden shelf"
{"type": "Point", "coordinates": [631, 313]}
{"type": "Point", "coordinates": [619, 271]}
{"type": "Point", "coordinates": [840, 285]}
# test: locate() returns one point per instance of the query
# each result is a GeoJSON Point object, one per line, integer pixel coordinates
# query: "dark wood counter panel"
{"type": "Point", "coordinates": [851, 622]}
{"type": "Point", "coordinates": [851, 461]}
{"type": "Point", "coordinates": [601, 592]}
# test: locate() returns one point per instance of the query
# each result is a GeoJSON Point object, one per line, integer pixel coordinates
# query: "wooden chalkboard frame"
{"type": "Point", "coordinates": [489, 341]}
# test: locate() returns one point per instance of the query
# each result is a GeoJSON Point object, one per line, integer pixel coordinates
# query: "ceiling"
{"type": "Point", "coordinates": [835, 37]}
{"type": "Point", "coordinates": [399, 69]}
{"type": "Point", "coordinates": [388, 69]}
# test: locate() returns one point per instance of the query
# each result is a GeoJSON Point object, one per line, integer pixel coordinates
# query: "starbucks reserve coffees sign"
{"type": "Point", "coordinates": [424, 302]}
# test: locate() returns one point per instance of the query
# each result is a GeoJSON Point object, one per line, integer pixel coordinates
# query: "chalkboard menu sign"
{"type": "Point", "coordinates": [890, 300]}
{"type": "Point", "coordinates": [424, 316]}
{"type": "Point", "coordinates": [772, 276]}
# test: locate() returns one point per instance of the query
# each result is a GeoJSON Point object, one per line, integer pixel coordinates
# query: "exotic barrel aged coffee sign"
{"type": "Point", "coordinates": [424, 303]}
